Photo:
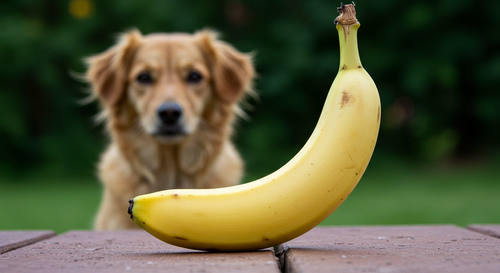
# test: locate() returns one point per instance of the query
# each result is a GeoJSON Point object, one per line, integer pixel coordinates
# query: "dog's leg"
{"type": "Point", "coordinates": [120, 184]}
{"type": "Point", "coordinates": [112, 214]}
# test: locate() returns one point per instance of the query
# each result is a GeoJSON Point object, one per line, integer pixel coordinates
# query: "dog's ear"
{"type": "Point", "coordinates": [232, 71]}
{"type": "Point", "coordinates": [107, 71]}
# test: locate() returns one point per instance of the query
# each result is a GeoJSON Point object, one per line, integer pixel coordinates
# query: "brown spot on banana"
{"type": "Point", "coordinates": [378, 115]}
{"type": "Point", "coordinates": [346, 99]}
{"type": "Point", "coordinates": [180, 238]}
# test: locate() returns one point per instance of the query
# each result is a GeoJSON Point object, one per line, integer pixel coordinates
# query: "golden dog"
{"type": "Point", "coordinates": [169, 102]}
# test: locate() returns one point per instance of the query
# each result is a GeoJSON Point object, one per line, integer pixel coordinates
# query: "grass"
{"type": "Point", "coordinates": [58, 204]}
{"type": "Point", "coordinates": [422, 196]}
{"type": "Point", "coordinates": [386, 195]}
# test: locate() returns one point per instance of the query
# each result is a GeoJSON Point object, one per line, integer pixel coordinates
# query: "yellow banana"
{"type": "Point", "coordinates": [295, 198]}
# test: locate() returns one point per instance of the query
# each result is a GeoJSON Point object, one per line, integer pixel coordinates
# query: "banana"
{"type": "Point", "coordinates": [294, 199]}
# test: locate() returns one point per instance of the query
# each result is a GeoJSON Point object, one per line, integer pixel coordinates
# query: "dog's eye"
{"type": "Point", "coordinates": [144, 78]}
{"type": "Point", "coordinates": [194, 77]}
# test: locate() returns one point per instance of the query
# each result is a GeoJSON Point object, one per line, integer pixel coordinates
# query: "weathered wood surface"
{"type": "Point", "coordinates": [440, 248]}
{"type": "Point", "coordinates": [10, 240]}
{"type": "Point", "coordinates": [492, 230]}
{"type": "Point", "coordinates": [393, 249]}
{"type": "Point", "coordinates": [123, 251]}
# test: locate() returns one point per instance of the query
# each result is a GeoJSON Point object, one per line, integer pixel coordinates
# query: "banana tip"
{"type": "Point", "coordinates": [131, 202]}
{"type": "Point", "coordinates": [347, 15]}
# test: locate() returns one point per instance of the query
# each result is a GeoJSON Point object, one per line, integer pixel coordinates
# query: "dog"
{"type": "Point", "coordinates": [169, 103]}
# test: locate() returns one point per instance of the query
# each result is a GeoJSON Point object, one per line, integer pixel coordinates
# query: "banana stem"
{"type": "Point", "coordinates": [347, 27]}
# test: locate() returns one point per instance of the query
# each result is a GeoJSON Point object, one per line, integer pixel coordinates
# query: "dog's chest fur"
{"type": "Point", "coordinates": [163, 166]}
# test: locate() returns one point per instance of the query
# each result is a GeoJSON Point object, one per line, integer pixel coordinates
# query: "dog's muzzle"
{"type": "Point", "coordinates": [170, 115]}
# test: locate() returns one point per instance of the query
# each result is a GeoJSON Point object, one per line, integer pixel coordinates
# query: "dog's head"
{"type": "Point", "coordinates": [170, 84]}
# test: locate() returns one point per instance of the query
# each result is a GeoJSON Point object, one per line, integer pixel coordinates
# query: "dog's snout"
{"type": "Point", "coordinates": [169, 113]}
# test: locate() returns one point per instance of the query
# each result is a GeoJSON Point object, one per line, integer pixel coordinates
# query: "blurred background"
{"type": "Point", "coordinates": [436, 64]}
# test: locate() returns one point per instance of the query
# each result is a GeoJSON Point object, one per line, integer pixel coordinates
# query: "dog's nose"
{"type": "Point", "coordinates": [169, 113]}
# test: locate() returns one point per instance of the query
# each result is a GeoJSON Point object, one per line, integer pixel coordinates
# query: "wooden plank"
{"type": "Point", "coordinates": [392, 249]}
{"type": "Point", "coordinates": [119, 251]}
{"type": "Point", "coordinates": [10, 240]}
{"type": "Point", "coordinates": [492, 230]}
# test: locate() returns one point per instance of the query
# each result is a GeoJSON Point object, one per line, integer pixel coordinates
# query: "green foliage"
{"type": "Point", "coordinates": [436, 64]}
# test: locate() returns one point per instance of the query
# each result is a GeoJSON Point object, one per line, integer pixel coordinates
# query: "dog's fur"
{"type": "Point", "coordinates": [169, 102]}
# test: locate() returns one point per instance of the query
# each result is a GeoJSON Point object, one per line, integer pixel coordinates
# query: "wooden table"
{"type": "Point", "coordinates": [440, 248]}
